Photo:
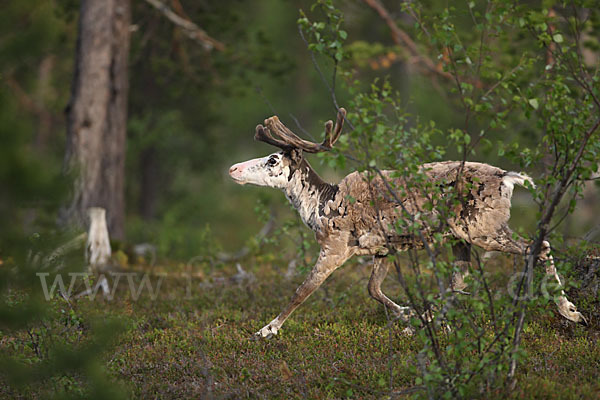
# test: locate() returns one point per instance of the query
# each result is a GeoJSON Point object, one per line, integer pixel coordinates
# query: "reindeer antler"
{"type": "Point", "coordinates": [288, 140]}
{"type": "Point", "coordinates": [264, 135]}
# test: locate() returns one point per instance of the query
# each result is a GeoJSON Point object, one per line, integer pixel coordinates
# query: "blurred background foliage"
{"type": "Point", "coordinates": [192, 112]}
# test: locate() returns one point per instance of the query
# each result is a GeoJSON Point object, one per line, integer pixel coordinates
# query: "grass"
{"type": "Point", "coordinates": [196, 342]}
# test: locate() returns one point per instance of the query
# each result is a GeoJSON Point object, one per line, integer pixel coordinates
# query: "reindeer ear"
{"type": "Point", "coordinates": [296, 156]}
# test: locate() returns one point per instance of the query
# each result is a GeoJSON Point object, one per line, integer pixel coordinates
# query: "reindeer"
{"type": "Point", "coordinates": [358, 217]}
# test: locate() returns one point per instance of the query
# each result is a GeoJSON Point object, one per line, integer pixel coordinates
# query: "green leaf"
{"type": "Point", "coordinates": [558, 38]}
{"type": "Point", "coordinates": [343, 34]}
{"type": "Point", "coordinates": [534, 103]}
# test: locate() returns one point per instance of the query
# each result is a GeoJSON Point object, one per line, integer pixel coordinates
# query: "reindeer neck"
{"type": "Point", "coordinates": [308, 193]}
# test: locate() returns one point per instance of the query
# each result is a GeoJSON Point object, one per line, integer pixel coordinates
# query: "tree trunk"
{"type": "Point", "coordinates": [97, 113]}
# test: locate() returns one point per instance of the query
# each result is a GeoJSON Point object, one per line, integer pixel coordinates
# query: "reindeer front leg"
{"type": "Point", "coordinates": [326, 264]}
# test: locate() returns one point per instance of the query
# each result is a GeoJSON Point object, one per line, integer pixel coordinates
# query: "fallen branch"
{"type": "Point", "coordinates": [243, 252]}
{"type": "Point", "coordinates": [192, 30]}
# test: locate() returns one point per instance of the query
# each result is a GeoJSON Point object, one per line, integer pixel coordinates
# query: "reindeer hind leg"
{"type": "Point", "coordinates": [565, 307]}
{"type": "Point", "coordinates": [380, 270]}
{"type": "Point", "coordinates": [506, 241]}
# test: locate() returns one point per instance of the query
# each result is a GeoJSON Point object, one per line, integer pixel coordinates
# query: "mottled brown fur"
{"type": "Point", "coordinates": [365, 207]}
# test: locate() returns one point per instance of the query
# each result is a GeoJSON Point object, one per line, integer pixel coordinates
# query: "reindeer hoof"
{"type": "Point", "coordinates": [267, 332]}
{"type": "Point", "coordinates": [403, 313]}
{"type": "Point", "coordinates": [408, 331]}
{"type": "Point", "coordinates": [569, 311]}
{"type": "Point", "coordinates": [577, 317]}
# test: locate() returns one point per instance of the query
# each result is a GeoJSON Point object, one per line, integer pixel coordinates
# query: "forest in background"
{"type": "Point", "coordinates": [200, 76]}
{"type": "Point", "coordinates": [192, 111]}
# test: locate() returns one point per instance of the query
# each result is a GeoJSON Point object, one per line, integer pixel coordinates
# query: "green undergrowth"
{"type": "Point", "coordinates": [195, 341]}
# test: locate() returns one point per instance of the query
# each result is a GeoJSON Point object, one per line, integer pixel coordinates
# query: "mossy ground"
{"type": "Point", "coordinates": [196, 342]}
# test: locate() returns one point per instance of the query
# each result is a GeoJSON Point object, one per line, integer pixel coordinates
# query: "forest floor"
{"type": "Point", "coordinates": [195, 341]}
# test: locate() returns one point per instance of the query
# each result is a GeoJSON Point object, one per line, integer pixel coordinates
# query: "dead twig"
{"type": "Point", "coordinates": [243, 252]}
{"type": "Point", "coordinates": [192, 30]}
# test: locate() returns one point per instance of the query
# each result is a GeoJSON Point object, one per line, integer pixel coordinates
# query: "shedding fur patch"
{"type": "Point", "coordinates": [516, 177]}
{"type": "Point", "coordinates": [310, 195]}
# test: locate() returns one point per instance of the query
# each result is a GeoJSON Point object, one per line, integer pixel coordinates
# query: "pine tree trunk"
{"type": "Point", "coordinates": [97, 113]}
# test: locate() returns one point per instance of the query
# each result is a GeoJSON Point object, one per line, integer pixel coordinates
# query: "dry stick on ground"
{"type": "Point", "coordinates": [192, 30]}
{"type": "Point", "coordinates": [266, 229]}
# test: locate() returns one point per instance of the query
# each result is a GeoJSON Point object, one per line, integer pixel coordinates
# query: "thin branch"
{"type": "Point", "coordinates": [401, 38]}
{"type": "Point", "coordinates": [265, 99]}
{"type": "Point", "coordinates": [25, 100]}
{"type": "Point", "coordinates": [549, 212]}
{"type": "Point", "coordinates": [192, 30]}
{"type": "Point", "coordinates": [293, 117]}
{"type": "Point", "coordinates": [322, 76]}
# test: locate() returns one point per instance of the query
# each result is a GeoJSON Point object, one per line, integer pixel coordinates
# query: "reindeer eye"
{"type": "Point", "coordinates": [272, 161]}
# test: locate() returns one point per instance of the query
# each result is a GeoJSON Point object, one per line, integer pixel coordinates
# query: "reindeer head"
{"type": "Point", "coordinates": [276, 169]}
